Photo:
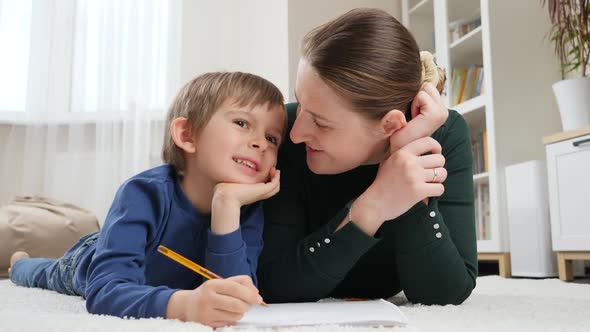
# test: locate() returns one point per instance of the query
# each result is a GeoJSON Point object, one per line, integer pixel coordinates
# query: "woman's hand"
{"type": "Point", "coordinates": [428, 114]}
{"type": "Point", "coordinates": [228, 198]}
{"type": "Point", "coordinates": [406, 177]}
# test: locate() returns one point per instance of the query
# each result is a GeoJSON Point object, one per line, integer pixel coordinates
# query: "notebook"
{"type": "Point", "coordinates": [359, 313]}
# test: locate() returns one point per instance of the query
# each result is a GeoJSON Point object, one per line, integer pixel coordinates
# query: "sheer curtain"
{"type": "Point", "coordinates": [86, 87]}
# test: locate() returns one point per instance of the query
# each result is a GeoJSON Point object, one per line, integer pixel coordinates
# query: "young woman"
{"type": "Point", "coordinates": [370, 204]}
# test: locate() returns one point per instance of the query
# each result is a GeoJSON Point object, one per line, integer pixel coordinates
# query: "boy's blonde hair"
{"type": "Point", "coordinates": [202, 96]}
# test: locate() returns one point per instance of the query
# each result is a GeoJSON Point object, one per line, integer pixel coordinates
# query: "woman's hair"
{"type": "Point", "coordinates": [201, 97]}
{"type": "Point", "coordinates": [371, 60]}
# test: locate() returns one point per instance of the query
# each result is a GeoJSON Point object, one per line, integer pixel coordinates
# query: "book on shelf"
{"type": "Point", "coordinates": [481, 193]}
{"type": "Point", "coordinates": [484, 137]}
{"type": "Point", "coordinates": [466, 83]}
{"type": "Point", "coordinates": [479, 149]}
{"type": "Point", "coordinates": [460, 28]}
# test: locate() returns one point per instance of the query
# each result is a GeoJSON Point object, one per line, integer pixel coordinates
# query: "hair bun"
{"type": "Point", "coordinates": [430, 71]}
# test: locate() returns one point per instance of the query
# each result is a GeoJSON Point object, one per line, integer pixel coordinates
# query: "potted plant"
{"type": "Point", "coordinates": [570, 33]}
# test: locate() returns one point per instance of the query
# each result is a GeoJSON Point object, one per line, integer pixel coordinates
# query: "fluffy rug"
{"type": "Point", "coordinates": [497, 305]}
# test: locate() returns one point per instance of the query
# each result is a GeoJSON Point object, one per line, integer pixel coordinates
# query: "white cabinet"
{"type": "Point", "coordinates": [568, 166]}
{"type": "Point", "coordinates": [528, 218]}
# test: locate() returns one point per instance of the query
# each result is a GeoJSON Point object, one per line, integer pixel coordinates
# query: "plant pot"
{"type": "Point", "coordinates": [573, 100]}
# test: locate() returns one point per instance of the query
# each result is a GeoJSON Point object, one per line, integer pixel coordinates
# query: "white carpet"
{"type": "Point", "coordinates": [497, 304]}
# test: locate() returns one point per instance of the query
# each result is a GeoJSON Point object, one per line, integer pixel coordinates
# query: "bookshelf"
{"type": "Point", "coordinates": [514, 106]}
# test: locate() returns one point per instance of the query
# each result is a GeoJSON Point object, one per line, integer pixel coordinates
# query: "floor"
{"type": "Point", "coordinates": [496, 304]}
{"type": "Point", "coordinates": [491, 268]}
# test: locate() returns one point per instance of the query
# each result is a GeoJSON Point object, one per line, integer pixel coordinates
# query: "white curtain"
{"type": "Point", "coordinates": [84, 88]}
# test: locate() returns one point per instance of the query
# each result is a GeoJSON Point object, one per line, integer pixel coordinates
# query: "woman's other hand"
{"type": "Point", "coordinates": [406, 177]}
{"type": "Point", "coordinates": [428, 114]}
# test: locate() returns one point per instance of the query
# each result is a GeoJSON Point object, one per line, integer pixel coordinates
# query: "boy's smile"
{"type": "Point", "coordinates": [247, 165]}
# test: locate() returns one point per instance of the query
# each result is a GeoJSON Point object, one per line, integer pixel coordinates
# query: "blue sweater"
{"type": "Point", "coordinates": [124, 275]}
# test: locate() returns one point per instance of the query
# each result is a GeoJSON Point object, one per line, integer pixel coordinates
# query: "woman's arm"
{"type": "Point", "coordinates": [436, 245]}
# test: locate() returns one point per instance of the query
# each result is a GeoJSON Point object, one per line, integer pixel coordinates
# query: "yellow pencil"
{"type": "Point", "coordinates": [173, 255]}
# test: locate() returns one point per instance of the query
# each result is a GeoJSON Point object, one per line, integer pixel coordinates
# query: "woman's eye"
{"type": "Point", "coordinates": [273, 140]}
{"type": "Point", "coordinates": [319, 125]}
{"type": "Point", "coordinates": [241, 123]}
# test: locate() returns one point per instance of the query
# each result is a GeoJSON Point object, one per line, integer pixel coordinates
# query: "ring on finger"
{"type": "Point", "coordinates": [434, 175]}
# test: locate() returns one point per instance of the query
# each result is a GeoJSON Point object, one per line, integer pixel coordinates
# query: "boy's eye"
{"type": "Point", "coordinates": [273, 140]}
{"type": "Point", "coordinates": [241, 123]}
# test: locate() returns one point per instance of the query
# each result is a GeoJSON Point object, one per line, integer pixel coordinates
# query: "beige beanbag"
{"type": "Point", "coordinates": [42, 227]}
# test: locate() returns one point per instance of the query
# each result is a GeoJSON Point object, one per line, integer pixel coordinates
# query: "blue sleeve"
{"type": "Point", "coordinates": [116, 282]}
{"type": "Point", "coordinates": [237, 253]}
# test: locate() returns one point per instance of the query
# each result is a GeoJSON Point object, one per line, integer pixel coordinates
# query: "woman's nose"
{"type": "Point", "coordinates": [298, 131]}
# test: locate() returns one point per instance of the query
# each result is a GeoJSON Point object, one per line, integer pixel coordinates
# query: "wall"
{"type": "Point", "coordinates": [236, 35]}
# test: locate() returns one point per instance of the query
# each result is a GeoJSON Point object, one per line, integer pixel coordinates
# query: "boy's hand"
{"type": "Point", "coordinates": [229, 197]}
{"type": "Point", "coordinates": [428, 114]}
{"type": "Point", "coordinates": [216, 303]}
{"type": "Point", "coordinates": [244, 194]}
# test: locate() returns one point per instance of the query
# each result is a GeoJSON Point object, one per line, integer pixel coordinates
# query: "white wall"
{"type": "Point", "coordinates": [233, 35]}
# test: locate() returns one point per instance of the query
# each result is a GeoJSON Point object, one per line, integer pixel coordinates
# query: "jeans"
{"type": "Point", "coordinates": [53, 274]}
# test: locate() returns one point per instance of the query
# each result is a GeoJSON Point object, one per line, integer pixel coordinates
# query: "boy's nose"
{"type": "Point", "coordinates": [259, 144]}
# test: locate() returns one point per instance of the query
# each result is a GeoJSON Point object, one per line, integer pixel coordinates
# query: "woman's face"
{"type": "Point", "coordinates": [336, 138]}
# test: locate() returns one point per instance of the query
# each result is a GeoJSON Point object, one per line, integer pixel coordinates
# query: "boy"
{"type": "Point", "coordinates": [220, 147]}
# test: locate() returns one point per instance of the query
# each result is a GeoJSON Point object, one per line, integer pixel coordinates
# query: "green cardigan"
{"type": "Point", "coordinates": [429, 252]}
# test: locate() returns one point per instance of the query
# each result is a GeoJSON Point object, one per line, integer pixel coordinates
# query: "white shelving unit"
{"type": "Point", "coordinates": [517, 107]}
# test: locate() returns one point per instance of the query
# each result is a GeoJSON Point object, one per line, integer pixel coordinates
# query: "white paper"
{"type": "Point", "coordinates": [364, 313]}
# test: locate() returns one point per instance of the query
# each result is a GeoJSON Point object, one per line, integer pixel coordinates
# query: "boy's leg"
{"type": "Point", "coordinates": [36, 272]}
{"type": "Point", "coordinates": [53, 274]}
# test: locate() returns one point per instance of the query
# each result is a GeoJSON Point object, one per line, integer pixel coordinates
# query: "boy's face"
{"type": "Point", "coordinates": [240, 144]}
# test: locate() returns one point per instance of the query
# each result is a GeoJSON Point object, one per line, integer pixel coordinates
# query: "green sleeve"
{"type": "Point", "coordinates": [299, 265]}
{"type": "Point", "coordinates": [436, 250]}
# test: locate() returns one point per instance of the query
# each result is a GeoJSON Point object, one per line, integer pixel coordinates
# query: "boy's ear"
{"type": "Point", "coordinates": [182, 135]}
{"type": "Point", "coordinates": [392, 121]}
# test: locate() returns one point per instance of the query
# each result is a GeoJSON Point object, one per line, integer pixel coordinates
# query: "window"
{"type": "Point", "coordinates": [85, 55]}
{"type": "Point", "coordinates": [15, 30]}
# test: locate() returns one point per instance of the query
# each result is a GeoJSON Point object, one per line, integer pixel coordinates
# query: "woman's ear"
{"type": "Point", "coordinates": [182, 135]}
{"type": "Point", "coordinates": [392, 121]}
